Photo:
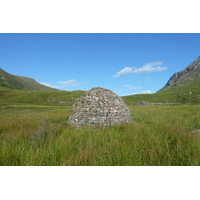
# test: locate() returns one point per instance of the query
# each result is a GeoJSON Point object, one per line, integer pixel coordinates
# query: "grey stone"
{"type": "Point", "coordinates": [62, 102]}
{"type": "Point", "coordinates": [143, 103]}
{"type": "Point", "coordinates": [196, 131]}
{"type": "Point", "coordinates": [99, 107]}
{"type": "Point", "coordinates": [186, 74]}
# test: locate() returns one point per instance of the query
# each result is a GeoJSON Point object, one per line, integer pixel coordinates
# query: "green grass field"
{"type": "Point", "coordinates": [187, 94]}
{"type": "Point", "coordinates": [37, 135]}
{"type": "Point", "coordinates": [36, 97]}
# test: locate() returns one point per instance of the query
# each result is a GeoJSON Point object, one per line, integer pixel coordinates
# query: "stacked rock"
{"type": "Point", "coordinates": [99, 107]}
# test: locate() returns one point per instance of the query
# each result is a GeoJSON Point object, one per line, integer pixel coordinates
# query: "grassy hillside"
{"type": "Point", "coordinates": [33, 135]}
{"type": "Point", "coordinates": [187, 94]}
{"type": "Point", "coordinates": [182, 87]}
{"type": "Point", "coordinates": [20, 82]}
{"type": "Point", "coordinates": [190, 75]}
{"type": "Point", "coordinates": [24, 90]}
{"type": "Point", "coordinates": [9, 96]}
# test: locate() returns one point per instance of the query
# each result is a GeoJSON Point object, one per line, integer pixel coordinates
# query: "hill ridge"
{"type": "Point", "coordinates": [189, 73]}
{"type": "Point", "coordinates": [17, 82]}
{"type": "Point", "coordinates": [182, 87]}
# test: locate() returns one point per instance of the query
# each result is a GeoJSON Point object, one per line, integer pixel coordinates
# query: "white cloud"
{"type": "Point", "coordinates": [127, 86]}
{"type": "Point", "coordinates": [132, 87]}
{"type": "Point", "coordinates": [147, 68]}
{"type": "Point", "coordinates": [143, 92]}
{"type": "Point", "coordinates": [70, 83]}
{"type": "Point", "coordinates": [49, 85]}
{"type": "Point", "coordinates": [146, 92]}
{"type": "Point", "coordinates": [62, 84]}
{"type": "Point", "coordinates": [126, 70]}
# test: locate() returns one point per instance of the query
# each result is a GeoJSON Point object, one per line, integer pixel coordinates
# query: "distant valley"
{"type": "Point", "coordinates": [182, 87]}
{"type": "Point", "coordinates": [35, 130]}
{"type": "Point", "coordinates": [23, 90]}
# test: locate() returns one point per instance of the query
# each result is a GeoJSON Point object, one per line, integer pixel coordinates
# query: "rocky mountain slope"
{"type": "Point", "coordinates": [20, 82]}
{"type": "Point", "coordinates": [182, 87]}
{"type": "Point", "coordinates": [188, 76]}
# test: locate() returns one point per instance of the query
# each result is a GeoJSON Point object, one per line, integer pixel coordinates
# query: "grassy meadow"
{"type": "Point", "coordinates": [160, 135]}
{"type": "Point", "coordinates": [187, 94]}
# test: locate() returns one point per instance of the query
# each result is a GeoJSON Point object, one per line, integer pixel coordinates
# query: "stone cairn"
{"type": "Point", "coordinates": [99, 107]}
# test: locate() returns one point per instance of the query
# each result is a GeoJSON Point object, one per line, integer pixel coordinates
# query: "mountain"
{"type": "Point", "coordinates": [182, 87]}
{"type": "Point", "coordinates": [189, 76]}
{"type": "Point", "coordinates": [24, 90]}
{"type": "Point", "coordinates": [20, 82]}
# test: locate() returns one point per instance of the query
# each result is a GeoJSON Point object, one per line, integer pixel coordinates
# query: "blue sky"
{"type": "Point", "coordinates": [124, 63]}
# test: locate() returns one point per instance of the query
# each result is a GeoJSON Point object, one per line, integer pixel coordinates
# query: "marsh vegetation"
{"type": "Point", "coordinates": [37, 135]}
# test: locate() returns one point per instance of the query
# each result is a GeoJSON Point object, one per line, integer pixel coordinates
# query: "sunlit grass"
{"type": "Point", "coordinates": [158, 135]}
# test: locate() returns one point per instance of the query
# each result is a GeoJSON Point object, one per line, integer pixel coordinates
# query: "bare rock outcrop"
{"type": "Point", "coordinates": [189, 73]}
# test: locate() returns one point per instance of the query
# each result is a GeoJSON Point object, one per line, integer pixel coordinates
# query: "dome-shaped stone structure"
{"type": "Point", "coordinates": [99, 107]}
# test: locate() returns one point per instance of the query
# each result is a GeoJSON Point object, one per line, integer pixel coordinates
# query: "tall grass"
{"type": "Point", "coordinates": [159, 135]}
